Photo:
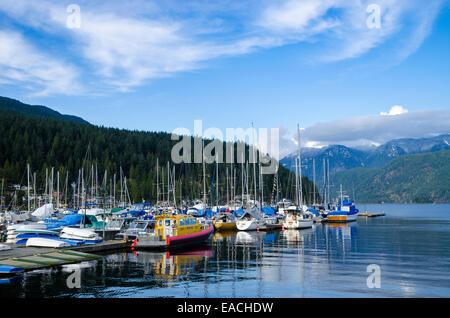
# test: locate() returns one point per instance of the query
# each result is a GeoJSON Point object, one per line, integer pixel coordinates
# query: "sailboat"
{"type": "Point", "coordinates": [251, 220]}
{"type": "Point", "coordinates": [294, 216]}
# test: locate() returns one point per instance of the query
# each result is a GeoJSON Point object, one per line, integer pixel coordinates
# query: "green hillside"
{"type": "Point", "coordinates": [418, 178]}
{"type": "Point", "coordinates": [38, 111]}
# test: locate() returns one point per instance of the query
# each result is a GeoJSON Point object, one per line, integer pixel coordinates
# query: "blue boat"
{"type": "Point", "coordinates": [9, 270]}
{"type": "Point", "coordinates": [345, 212]}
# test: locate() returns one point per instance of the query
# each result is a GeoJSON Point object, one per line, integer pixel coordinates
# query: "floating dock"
{"type": "Point", "coordinates": [371, 214]}
{"type": "Point", "coordinates": [30, 258]}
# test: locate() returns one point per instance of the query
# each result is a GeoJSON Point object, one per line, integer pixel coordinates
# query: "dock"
{"type": "Point", "coordinates": [30, 258]}
{"type": "Point", "coordinates": [371, 214]}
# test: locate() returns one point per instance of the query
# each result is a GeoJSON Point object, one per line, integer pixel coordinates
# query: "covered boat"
{"type": "Point", "coordinates": [46, 242]}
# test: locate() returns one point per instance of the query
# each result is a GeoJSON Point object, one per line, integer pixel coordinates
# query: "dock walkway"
{"type": "Point", "coordinates": [371, 214]}
{"type": "Point", "coordinates": [30, 258]}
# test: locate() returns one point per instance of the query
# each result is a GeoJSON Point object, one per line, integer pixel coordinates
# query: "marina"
{"type": "Point", "coordinates": [327, 260]}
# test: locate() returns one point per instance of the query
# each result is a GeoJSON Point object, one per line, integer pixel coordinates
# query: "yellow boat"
{"type": "Point", "coordinates": [225, 221]}
{"type": "Point", "coordinates": [175, 231]}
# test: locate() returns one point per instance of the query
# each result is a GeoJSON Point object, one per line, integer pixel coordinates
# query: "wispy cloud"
{"type": "Point", "coordinates": [22, 63]}
{"type": "Point", "coordinates": [125, 45]}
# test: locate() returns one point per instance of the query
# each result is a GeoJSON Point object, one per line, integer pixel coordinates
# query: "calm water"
{"type": "Point", "coordinates": [411, 245]}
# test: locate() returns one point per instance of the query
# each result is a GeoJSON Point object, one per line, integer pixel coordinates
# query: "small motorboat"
{"type": "Point", "coordinates": [345, 212]}
{"type": "Point", "coordinates": [224, 221]}
{"type": "Point", "coordinates": [294, 218]}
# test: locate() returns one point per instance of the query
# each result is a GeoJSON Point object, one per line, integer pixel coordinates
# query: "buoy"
{"type": "Point", "coordinates": [282, 227]}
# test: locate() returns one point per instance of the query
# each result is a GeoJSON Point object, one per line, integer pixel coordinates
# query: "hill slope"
{"type": "Point", "coordinates": [48, 142]}
{"type": "Point", "coordinates": [416, 178]}
{"type": "Point", "coordinates": [9, 104]}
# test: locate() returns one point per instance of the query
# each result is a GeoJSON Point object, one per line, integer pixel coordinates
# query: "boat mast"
{"type": "Point", "coordinates": [204, 174]}
{"type": "Point", "coordinates": [168, 184]}
{"type": "Point", "coordinates": [324, 183]}
{"type": "Point", "coordinates": [217, 180]}
{"type": "Point", "coordinates": [157, 181]}
{"type": "Point", "coordinates": [314, 181]}
{"type": "Point", "coordinates": [57, 190]}
{"type": "Point", "coordinates": [28, 187]}
{"type": "Point", "coordinates": [296, 182]}
{"type": "Point", "coordinates": [254, 160]}
{"type": "Point", "coordinates": [51, 187]}
{"type": "Point", "coordinates": [300, 165]}
{"type": "Point", "coordinates": [328, 178]}
{"type": "Point", "coordinates": [34, 190]}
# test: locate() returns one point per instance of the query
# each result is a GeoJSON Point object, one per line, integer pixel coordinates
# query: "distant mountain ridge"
{"type": "Point", "coordinates": [343, 158]}
{"type": "Point", "coordinates": [9, 104]}
{"type": "Point", "coordinates": [370, 174]}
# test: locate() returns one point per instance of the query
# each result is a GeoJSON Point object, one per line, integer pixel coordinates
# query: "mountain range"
{"type": "Point", "coordinates": [343, 158]}
{"type": "Point", "coordinates": [357, 167]}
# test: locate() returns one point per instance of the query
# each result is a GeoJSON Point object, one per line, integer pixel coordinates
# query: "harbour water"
{"type": "Point", "coordinates": [410, 246]}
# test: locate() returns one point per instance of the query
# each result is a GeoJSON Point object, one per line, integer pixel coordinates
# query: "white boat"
{"type": "Point", "coordinates": [4, 247]}
{"type": "Point", "coordinates": [45, 242]}
{"type": "Point", "coordinates": [43, 212]}
{"type": "Point", "coordinates": [77, 232]}
{"type": "Point", "coordinates": [294, 218]}
{"type": "Point", "coordinates": [251, 220]}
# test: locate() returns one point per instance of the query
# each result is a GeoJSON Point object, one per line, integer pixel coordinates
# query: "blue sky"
{"type": "Point", "coordinates": [161, 65]}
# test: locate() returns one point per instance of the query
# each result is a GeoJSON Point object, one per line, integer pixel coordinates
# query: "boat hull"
{"type": "Point", "coordinates": [225, 226]}
{"type": "Point", "coordinates": [250, 225]}
{"type": "Point", "coordinates": [298, 224]}
{"type": "Point", "coordinates": [174, 242]}
{"type": "Point", "coordinates": [342, 218]}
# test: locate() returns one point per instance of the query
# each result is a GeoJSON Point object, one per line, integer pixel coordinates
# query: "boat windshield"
{"type": "Point", "coordinates": [114, 224]}
{"type": "Point", "coordinates": [138, 225]}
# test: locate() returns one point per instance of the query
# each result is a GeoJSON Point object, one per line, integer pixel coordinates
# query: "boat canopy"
{"type": "Point", "coordinates": [44, 211]}
{"type": "Point", "coordinates": [239, 212]}
{"type": "Point", "coordinates": [268, 210]}
{"type": "Point", "coordinates": [314, 211]}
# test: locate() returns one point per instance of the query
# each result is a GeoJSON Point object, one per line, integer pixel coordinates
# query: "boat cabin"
{"type": "Point", "coordinates": [168, 225]}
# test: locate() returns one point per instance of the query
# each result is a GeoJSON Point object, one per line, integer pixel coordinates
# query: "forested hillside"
{"type": "Point", "coordinates": [418, 178]}
{"type": "Point", "coordinates": [47, 142]}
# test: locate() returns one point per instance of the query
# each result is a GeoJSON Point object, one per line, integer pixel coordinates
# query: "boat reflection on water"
{"type": "Point", "coordinates": [296, 236]}
{"type": "Point", "coordinates": [343, 231]}
{"type": "Point", "coordinates": [227, 237]}
{"type": "Point", "coordinates": [247, 238]}
{"type": "Point", "coordinates": [170, 265]}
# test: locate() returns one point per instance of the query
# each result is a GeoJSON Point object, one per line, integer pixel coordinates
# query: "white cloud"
{"type": "Point", "coordinates": [395, 110]}
{"type": "Point", "coordinates": [372, 130]}
{"type": "Point", "coordinates": [20, 62]}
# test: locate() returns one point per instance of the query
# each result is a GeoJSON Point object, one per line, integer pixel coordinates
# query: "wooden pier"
{"type": "Point", "coordinates": [30, 258]}
{"type": "Point", "coordinates": [371, 214]}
